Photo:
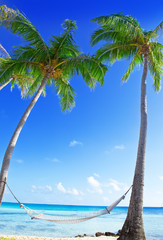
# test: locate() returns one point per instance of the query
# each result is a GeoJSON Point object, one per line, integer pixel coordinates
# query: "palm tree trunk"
{"type": "Point", "coordinates": [12, 143]}
{"type": "Point", "coordinates": [133, 228]}
{"type": "Point", "coordinates": [3, 85]}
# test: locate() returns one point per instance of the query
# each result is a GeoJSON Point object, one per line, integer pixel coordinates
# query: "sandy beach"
{"type": "Point", "coordinates": [49, 238]}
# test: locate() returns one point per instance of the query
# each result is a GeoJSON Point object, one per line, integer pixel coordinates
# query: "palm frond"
{"type": "Point", "coordinates": [18, 24]}
{"type": "Point", "coordinates": [104, 33]}
{"type": "Point", "coordinates": [35, 85]}
{"type": "Point", "coordinates": [157, 51]}
{"type": "Point", "coordinates": [69, 25]}
{"type": "Point", "coordinates": [155, 63]}
{"type": "Point", "coordinates": [60, 49]}
{"type": "Point", "coordinates": [90, 68]}
{"type": "Point", "coordinates": [13, 67]}
{"type": "Point", "coordinates": [153, 34]}
{"type": "Point", "coordinates": [116, 19]}
{"type": "Point", "coordinates": [116, 51]}
{"type": "Point", "coordinates": [23, 81]}
{"type": "Point", "coordinates": [66, 93]}
{"type": "Point", "coordinates": [136, 61]}
{"type": "Point", "coordinates": [123, 24]}
{"type": "Point", "coordinates": [26, 74]}
{"type": "Point", "coordinates": [64, 44]}
{"type": "Point", "coordinates": [28, 53]}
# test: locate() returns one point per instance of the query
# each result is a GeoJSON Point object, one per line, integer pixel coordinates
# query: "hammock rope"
{"type": "Point", "coordinates": [69, 219]}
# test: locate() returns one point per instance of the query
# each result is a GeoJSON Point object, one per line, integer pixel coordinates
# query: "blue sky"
{"type": "Point", "coordinates": [86, 156]}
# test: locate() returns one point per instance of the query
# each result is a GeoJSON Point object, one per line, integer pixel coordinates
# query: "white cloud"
{"type": "Point", "coordinates": [100, 187]}
{"type": "Point", "coordinates": [56, 160]}
{"type": "Point", "coordinates": [61, 188]}
{"type": "Point", "coordinates": [116, 147]}
{"type": "Point", "coordinates": [74, 143]}
{"type": "Point", "coordinates": [19, 161]}
{"type": "Point", "coordinates": [120, 147]}
{"type": "Point", "coordinates": [46, 188]}
{"type": "Point", "coordinates": [74, 191]}
{"type": "Point", "coordinates": [117, 186]}
{"type": "Point", "coordinates": [95, 184]}
{"type": "Point", "coordinates": [161, 177]}
{"type": "Point", "coordinates": [70, 191]}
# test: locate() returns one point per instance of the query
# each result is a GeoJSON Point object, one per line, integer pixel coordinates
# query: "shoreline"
{"type": "Point", "coordinates": [21, 237]}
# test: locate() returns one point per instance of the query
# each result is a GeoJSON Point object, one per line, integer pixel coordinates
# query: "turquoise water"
{"type": "Point", "coordinates": [15, 221]}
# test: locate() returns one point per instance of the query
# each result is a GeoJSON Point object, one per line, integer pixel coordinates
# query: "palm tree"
{"type": "Point", "coordinates": [126, 39]}
{"type": "Point", "coordinates": [53, 64]}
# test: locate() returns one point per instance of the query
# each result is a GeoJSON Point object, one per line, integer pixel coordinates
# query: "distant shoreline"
{"type": "Point", "coordinates": [76, 205]}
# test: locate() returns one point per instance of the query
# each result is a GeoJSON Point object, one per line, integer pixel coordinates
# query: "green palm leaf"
{"type": "Point", "coordinates": [154, 33]}
{"type": "Point", "coordinates": [116, 51]}
{"type": "Point", "coordinates": [104, 33]}
{"type": "Point", "coordinates": [155, 62]}
{"type": "Point", "coordinates": [127, 39]}
{"type": "Point", "coordinates": [35, 85]}
{"type": "Point", "coordinates": [64, 44]}
{"type": "Point", "coordinates": [23, 81]}
{"type": "Point", "coordinates": [89, 67]}
{"type": "Point", "coordinates": [136, 61]}
{"type": "Point", "coordinates": [17, 23]}
{"type": "Point", "coordinates": [13, 67]}
{"type": "Point", "coordinates": [66, 93]}
{"type": "Point", "coordinates": [127, 26]}
{"type": "Point", "coordinates": [26, 53]}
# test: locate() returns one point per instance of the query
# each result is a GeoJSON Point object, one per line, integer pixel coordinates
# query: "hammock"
{"type": "Point", "coordinates": [69, 219]}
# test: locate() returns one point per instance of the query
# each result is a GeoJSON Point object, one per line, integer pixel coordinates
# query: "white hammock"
{"type": "Point", "coordinates": [72, 219]}
{"type": "Point", "coordinates": [68, 219]}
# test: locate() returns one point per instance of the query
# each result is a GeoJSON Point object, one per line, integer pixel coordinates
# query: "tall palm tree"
{"type": "Point", "coordinates": [126, 39]}
{"type": "Point", "coordinates": [52, 64]}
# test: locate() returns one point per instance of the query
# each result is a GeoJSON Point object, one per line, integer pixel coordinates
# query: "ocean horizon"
{"type": "Point", "coordinates": [15, 221]}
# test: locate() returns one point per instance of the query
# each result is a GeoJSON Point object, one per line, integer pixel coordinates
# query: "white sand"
{"type": "Point", "coordinates": [49, 238]}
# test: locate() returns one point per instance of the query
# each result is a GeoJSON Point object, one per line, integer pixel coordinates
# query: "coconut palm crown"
{"type": "Point", "coordinates": [126, 39]}
{"type": "Point", "coordinates": [59, 60]}
{"type": "Point", "coordinates": [54, 63]}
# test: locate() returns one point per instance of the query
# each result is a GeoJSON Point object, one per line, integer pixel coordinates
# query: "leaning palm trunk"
{"type": "Point", "coordinates": [133, 228]}
{"type": "Point", "coordinates": [5, 84]}
{"type": "Point", "coordinates": [11, 146]}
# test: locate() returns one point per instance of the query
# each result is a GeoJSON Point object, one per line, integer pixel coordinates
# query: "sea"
{"type": "Point", "coordinates": [15, 221]}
